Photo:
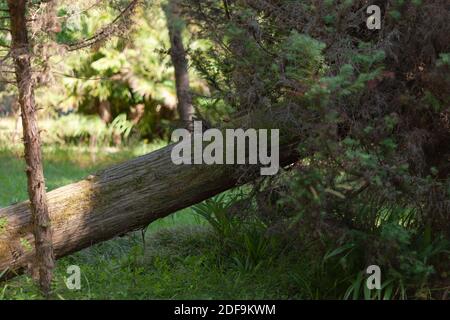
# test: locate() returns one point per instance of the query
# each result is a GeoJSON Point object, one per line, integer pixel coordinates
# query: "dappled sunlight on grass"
{"type": "Point", "coordinates": [62, 165]}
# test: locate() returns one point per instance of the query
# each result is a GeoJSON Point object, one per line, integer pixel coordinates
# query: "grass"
{"type": "Point", "coordinates": [200, 252]}
{"type": "Point", "coordinates": [180, 257]}
{"type": "Point", "coordinates": [176, 265]}
{"type": "Point", "coordinates": [62, 165]}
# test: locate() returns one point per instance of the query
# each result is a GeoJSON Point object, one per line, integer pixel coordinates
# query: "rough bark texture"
{"type": "Point", "coordinates": [120, 199]}
{"type": "Point", "coordinates": [39, 219]}
{"type": "Point", "coordinates": [180, 64]}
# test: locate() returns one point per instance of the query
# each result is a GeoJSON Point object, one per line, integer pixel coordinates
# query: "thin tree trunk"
{"type": "Point", "coordinates": [180, 64]}
{"type": "Point", "coordinates": [104, 111]}
{"type": "Point", "coordinates": [44, 257]}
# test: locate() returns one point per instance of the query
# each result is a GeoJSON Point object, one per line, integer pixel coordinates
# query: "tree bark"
{"type": "Point", "coordinates": [118, 200]}
{"type": "Point", "coordinates": [39, 223]}
{"type": "Point", "coordinates": [180, 64]}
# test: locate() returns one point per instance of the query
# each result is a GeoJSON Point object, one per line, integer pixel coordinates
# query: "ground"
{"type": "Point", "coordinates": [178, 259]}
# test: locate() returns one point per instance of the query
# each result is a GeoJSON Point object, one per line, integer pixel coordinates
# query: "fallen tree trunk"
{"type": "Point", "coordinates": [118, 200]}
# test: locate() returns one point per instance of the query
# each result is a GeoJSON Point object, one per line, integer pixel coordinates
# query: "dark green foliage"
{"type": "Point", "coordinates": [243, 239]}
{"type": "Point", "coordinates": [371, 108]}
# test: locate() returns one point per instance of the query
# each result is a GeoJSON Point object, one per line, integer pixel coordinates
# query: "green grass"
{"type": "Point", "coordinates": [179, 258]}
{"type": "Point", "coordinates": [176, 265]}
{"type": "Point", "coordinates": [192, 254]}
{"type": "Point", "coordinates": [63, 165]}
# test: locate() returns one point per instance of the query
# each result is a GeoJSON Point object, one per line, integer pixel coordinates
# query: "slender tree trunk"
{"type": "Point", "coordinates": [104, 111]}
{"type": "Point", "coordinates": [44, 257]}
{"type": "Point", "coordinates": [180, 63]}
